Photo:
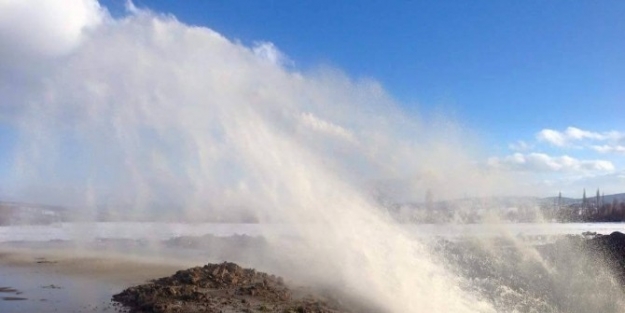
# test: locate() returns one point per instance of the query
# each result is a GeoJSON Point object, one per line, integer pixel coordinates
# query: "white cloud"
{"type": "Point", "coordinates": [540, 162]}
{"type": "Point", "coordinates": [573, 185]}
{"type": "Point", "coordinates": [551, 136]}
{"type": "Point", "coordinates": [268, 51]}
{"type": "Point", "coordinates": [618, 149]}
{"type": "Point", "coordinates": [573, 134]}
{"type": "Point", "coordinates": [44, 28]}
{"type": "Point", "coordinates": [131, 7]}
{"type": "Point", "coordinates": [550, 173]}
{"type": "Point", "coordinates": [579, 134]}
{"type": "Point", "coordinates": [615, 136]}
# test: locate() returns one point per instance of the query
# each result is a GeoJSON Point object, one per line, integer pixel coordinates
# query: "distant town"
{"type": "Point", "coordinates": [595, 208]}
{"type": "Point", "coordinates": [598, 208]}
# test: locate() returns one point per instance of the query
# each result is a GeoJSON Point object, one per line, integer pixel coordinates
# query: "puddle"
{"type": "Point", "coordinates": [34, 290]}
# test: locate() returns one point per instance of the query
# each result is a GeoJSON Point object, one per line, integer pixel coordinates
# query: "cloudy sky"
{"type": "Point", "coordinates": [535, 84]}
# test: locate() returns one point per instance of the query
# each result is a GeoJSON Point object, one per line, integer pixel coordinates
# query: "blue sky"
{"type": "Point", "coordinates": [538, 82]}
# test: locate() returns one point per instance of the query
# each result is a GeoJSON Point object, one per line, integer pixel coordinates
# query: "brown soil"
{"type": "Point", "coordinates": [224, 288]}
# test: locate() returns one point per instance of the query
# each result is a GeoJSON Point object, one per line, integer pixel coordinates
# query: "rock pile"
{"type": "Point", "coordinates": [612, 248]}
{"type": "Point", "coordinates": [224, 287]}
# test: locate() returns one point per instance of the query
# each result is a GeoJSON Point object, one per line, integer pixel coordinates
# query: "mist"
{"type": "Point", "coordinates": [153, 119]}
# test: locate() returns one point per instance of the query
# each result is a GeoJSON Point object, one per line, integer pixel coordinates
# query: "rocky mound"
{"type": "Point", "coordinates": [612, 248]}
{"type": "Point", "coordinates": [571, 274]}
{"type": "Point", "coordinates": [224, 287]}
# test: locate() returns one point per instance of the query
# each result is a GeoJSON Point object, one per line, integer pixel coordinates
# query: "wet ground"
{"type": "Point", "coordinates": [58, 281]}
{"type": "Point", "coordinates": [28, 290]}
{"type": "Point", "coordinates": [571, 274]}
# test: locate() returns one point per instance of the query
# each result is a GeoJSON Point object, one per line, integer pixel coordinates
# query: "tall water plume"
{"type": "Point", "coordinates": [153, 119]}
